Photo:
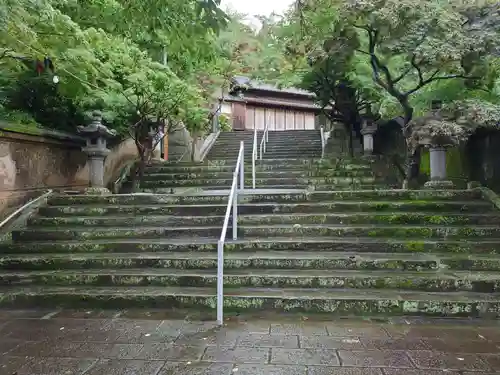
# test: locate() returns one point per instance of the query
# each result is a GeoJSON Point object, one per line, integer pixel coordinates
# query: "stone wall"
{"type": "Point", "coordinates": [33, 160]}
{"type": "Point", "coordinates": [181, 144]}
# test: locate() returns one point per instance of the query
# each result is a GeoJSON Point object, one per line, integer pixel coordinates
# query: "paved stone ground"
{"type": "Point", "coordinates": [157, 343]}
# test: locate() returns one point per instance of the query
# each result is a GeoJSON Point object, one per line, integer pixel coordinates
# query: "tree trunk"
{"type": "Point", "coordinates": [413, 166]}
{"type": "Point", "coordinates": [414, 156]}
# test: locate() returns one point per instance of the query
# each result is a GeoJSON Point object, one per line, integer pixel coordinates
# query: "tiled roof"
{"type": "Point", "coordinates": [245, 81]}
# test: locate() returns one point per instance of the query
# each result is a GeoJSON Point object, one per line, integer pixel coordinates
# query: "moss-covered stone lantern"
{"type": "Point", "coordinates": [438, 133]}
{"type": "Point", "coordinates": [96, 149]}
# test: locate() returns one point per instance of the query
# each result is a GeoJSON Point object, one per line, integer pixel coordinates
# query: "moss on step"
{"type": "Point", "coordinates": [404, 232]}
{"type": "Point", "coordinates": [335, 305]}
{"type": "Point", "coordinates": [378, 195]}
{"type": "Point", "coordinates": [135, 221]}
{"type": "Point", "coordinates": [348, 244]}
{"type": "Point", "coordinates": [210, 262]}
{"type": "Point", "coordinates": [377, 280]}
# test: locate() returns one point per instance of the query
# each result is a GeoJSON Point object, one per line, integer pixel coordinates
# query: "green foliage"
{"type": "Point", "coordinates": [261, 55]}
{"type": "Point", "coordinates": [107, 56]}
{"type": "Point", "coordinates": [404, 54]}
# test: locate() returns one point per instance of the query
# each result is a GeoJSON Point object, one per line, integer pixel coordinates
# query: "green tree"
{"type": "Point", "coordinates": [409, 49]}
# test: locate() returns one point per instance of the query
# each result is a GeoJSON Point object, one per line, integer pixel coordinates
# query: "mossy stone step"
{"type": "Point", "coordinates": [131, 220]}
{"type": "Point", "coordinates": [316, 196]}
{"type": "Point", "coordinates": [340, 181]}
{"type": "Point", "coordinates": [208, 174]}
{"type": "Point", "coordinates": [401, 207]}
{"type": "Point", "coordinates": [286, 260]}
{"type": "Point", "coordinates": [274, 218]}
{"type": "Point", "coordinates": [309, 244]}
{"type": "Point", "coordinates": [305, 187]}
{"type": "Point", "coordinates": [203, 189]}
{"type": "Point", "coordinates": [178, 168]}
{"type": "Point", "coordinates": [92, 232]}
{"type": "Point", "coordinates": [333, 301]}
{"type": "Point", "coordinates": [395, 231]}
{"type": "Point", "coordinates": [481, 282]}
{"type": "Point", "coordinates": [271, 230]}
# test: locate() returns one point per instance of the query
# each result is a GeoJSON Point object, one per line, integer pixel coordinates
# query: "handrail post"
{"type": "Point", "coordinates": [254, 155]}
{"type": "Point", "coordinates": [242, 166]}
{"type": "Point", "coordinates": [322, 133]}
{"type": "Point", "coordinates": [235, 215]}
{"type": "Point", "coordinates": [220, 281]}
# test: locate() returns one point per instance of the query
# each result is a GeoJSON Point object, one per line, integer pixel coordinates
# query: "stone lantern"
{"type": "Point", "coordinates": [96, 149]}
{"type": "Point", "coordinates": [437, 132]}
{"type": "Point", "coordinates": [367, 131]}
{"type": "Point", "coordinates": [437, 152]}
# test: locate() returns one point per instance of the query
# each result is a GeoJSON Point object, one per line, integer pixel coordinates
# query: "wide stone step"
{"type": "Point", "coordinates": [282, 147]}
{"type": "Point", "coordinates": [265, 164]}
{"type": "Point", "coordinates": [284, 260]}
{"type": "Point", "coordinates": [261, 181]}
{"type": "Point", "coordinates": [226, 189]}
{"type": "Point", "coordinates": [273, 218]}
{"type": "Point", "coordinates": [282, 197]}
{"type": "Point", "coordinates": [207, 174]}
{"type": "Point", "coordinates": [400, 231]}
{"type": "Point", "coordinates": [399, 207]}
{"type": "Point", "coordinates": [334, 301]}
{"type": "Point", "coordinates": [261, 167]}
{"type": "Point", "coordinates": [463, 248]}
{"type": "Point", "coordinates": [272, 230]}
{"type": "Point", "coordinates": [431, 281]}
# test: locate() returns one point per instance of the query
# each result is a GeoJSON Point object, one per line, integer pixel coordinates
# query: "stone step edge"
{"type": "Point", "coordinates": [492, 276]}
{"type": "Point", "coordinates": [492, 214]}
{"type": "Point", "coordinates": [301, 173]}
{"type": "Point", "coordinates": [274, 204]}
{"type": "Point", "coordinates": [343, 301]}
{"type": "Point", "coordinates": [252, 241]}
{"type": "Point", "coordinates": [267, 226]}
{"type": "Point", "coordinates": [256, 255]}
{"type": "Point", "coordinates": [282, 215]}
{"type": "Point", "coordinates": [402, 191]}
{"type": "Point", "coordinates": [289, 293]}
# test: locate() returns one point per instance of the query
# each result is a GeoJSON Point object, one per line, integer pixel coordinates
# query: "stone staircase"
{"type": "Point", "coordinates": [363, 252]}
{"type": "Point", "coordinates": [293, 144]}
{"type": "Point", "coordinates": [336, 174]}
{"type": "Point", "coordinates": [333, 241]}
{"type": "Point", "coordinates": [227, 146]}
{"type": "Point", "coordinates": [290, 144]}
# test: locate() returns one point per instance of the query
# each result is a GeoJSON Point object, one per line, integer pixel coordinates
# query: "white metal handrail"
{"type": "Point", "coordinates": [322, 132]}
{"type": "Point", "coordinates": [264, 140]}
{"type": "Point", "coordinates": [254, 156]}
{"type": "Point", "coordinates": [232, 205]}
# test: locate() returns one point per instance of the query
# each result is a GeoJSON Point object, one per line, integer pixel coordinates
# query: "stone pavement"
{"type": "Point", "coordinates": [157, 343]}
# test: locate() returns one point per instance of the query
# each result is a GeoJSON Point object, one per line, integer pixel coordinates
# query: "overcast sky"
{"type": "Point", "coordinates": [254, 7]}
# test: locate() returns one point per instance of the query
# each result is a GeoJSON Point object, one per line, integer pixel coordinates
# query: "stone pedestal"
{"type": "Point", "coordinates": [368, 131]}
{"type": "Point", "coordinates": [96, 135]}
{"type": "Point", "coordinates": [438, 169]}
